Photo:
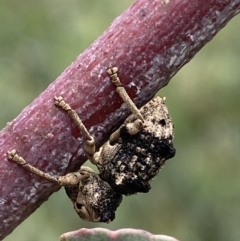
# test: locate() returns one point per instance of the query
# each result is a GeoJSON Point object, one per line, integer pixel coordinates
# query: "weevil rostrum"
{"type": "Point", "coordinates": [131, 157]}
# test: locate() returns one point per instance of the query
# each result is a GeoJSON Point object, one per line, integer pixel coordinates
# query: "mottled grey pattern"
{"type": "Point", "coordinates": [129, 164]}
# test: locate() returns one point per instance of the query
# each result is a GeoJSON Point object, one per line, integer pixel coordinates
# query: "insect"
{"type": "Point", "coordinates": [131, 157]}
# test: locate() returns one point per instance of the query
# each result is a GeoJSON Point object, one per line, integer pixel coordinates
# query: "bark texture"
{"type": "Point", "coordinates": [149, 43]}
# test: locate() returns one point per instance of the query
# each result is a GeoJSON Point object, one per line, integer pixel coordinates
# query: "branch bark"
{"type": "Point", "coordinates": [149, 43]}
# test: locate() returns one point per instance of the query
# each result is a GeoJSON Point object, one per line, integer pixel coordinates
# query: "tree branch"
{"type": "Point", "coordinates": [149, 43]}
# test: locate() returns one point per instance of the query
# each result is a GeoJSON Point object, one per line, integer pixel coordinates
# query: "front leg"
{"type": "Point", "coordinates": [70, 179]}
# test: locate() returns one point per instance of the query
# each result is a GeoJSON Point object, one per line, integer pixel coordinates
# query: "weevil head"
{"type": "Point", "coordinates": [96, 201]}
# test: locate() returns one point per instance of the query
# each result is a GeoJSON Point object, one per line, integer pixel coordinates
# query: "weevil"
{"type": "Point", "coordinates": [131, 157]}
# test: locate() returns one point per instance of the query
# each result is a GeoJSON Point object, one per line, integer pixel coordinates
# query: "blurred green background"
{"type": "Point", "coordinates": [196, 196]}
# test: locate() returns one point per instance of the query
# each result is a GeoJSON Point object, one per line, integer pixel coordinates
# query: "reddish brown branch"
{"type": "Point", "coordinates": [149, 43]}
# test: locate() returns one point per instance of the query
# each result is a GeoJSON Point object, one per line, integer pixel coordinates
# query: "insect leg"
{"type": "Point", "coordinates": [112, 72]}
{"type": "Point", "coordinates": [70, 179]}
{"type": "Point", "coordinates": [90, 142]}
{"type": "Point", "coordinates": [13, 156]}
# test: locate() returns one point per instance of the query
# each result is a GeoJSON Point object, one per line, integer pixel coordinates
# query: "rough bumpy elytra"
{"type": "Point", "coordinates": [133, 160]}
{"type": "Point", "coordinates": [131, 157]}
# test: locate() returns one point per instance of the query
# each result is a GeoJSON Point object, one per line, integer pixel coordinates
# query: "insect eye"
{"type": "Point", "coordinates": [79, 205]}
{"type": "Point", "coordinates": [83, 212]}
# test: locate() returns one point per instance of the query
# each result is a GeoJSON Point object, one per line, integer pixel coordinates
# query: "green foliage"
{"type": "Point", "coordinates": [196, 196]}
